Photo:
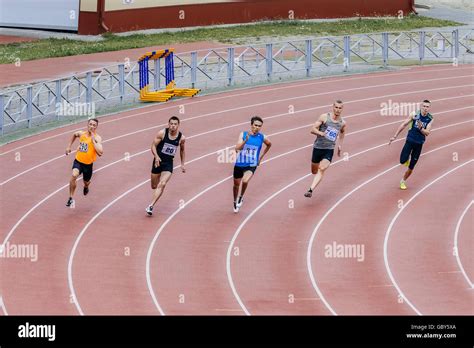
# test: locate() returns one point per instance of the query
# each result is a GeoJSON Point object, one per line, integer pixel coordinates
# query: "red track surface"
{"type": "Point", "coordinates": [182, 261]}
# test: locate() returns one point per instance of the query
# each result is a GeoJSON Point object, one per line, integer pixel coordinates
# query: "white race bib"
{"type": "Point", "coordinates": [83, 147]}
{"type": "Point", "coordinates": [331, 133]}
{"type": "Point", "coordinates": [169, 149]}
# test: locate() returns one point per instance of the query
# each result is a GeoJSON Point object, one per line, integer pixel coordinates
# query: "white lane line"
{"type": "Point", "coordinates": [330, 210]}
{"type": "Point", "coordinates": [456, 235]}
{"type": "Point", "coordinates": [110, 164]}
{"type": "Point", "coordinates": [2, 306]}
{"type": "Point", "coordinates": [157, 108]}
{"type": "Point", "coordinates": [266, 118]}
{"type": "Point", "coordinates": [64, 186]}
{"type": "Point", "coordinates": [389, 229]}
{"type": "Point", "coordinates": [150, 250]}
{"type": "Point", "coordinates": [167, 221]}
{"type": "Point", "coordinates": [449, 272]}
{"type": "Point", "coordinates": [145, 151]}
{"type": "Point", "coordinates": [83, 231]}
{"type": "Point", "coordinates": [229, 274]}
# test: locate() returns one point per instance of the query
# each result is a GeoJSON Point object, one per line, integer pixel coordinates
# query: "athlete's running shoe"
{"type": "Point", "coordinates": [309, 193]}
{"type": "Point", "coordinates": [407, 163]}
{"type": "Point", "coordinates": [70, 202]}
{"type": "Point", "coordinates": [149, 210]}
{"type": "Point", "coordinates": [403, 186]}
{"type": "Point", "coordinates": [236, 207]}
{"type": "Point", "coordinates": [240, 201]}
{"type": "Point", "coordinates": [85, 191]}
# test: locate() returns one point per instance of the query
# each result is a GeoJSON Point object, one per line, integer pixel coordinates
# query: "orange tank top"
{"type": "Point", "coordinates": [86, 151]}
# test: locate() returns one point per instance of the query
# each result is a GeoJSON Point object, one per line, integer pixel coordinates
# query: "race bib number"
{"type": "Point", "coordinates": [169, 149]}
{"type": "Point", "coordinates": [331, 133]}
{"type": "Point", "coordinates": [83, 147]}
{"type": "Point", "coordinates": [249, 154]}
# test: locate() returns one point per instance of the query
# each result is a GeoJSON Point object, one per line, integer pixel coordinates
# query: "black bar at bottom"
{"type": "Point", "coordinates": [137, 330]}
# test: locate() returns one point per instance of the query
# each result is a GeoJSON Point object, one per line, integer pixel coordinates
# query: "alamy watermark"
{"type": "Point", "coordinates": [75, 109]}
{"type": "Point", "coordinates": [19, 251]}
{"type": "Point", "coordinates": [392, 108]}
{"type": "Point", "coordinates": [345, 251]}
{"type": "Point", "coordinates": [229, 155]}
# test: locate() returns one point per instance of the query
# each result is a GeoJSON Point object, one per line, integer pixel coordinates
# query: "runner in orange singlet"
{"type": "Point", "coordinates": [90, 145]}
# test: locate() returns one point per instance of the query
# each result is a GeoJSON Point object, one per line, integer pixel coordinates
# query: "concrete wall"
{"type": "Point", "coordinates": [44, 14]}
{"type": "Point", "coordinates": [467, 5]}
{"type": "Point", "coordinates": [127, 15]}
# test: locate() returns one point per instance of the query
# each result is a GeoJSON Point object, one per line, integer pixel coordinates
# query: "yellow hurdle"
{"type": "Point", "coordinates": [170, 90]}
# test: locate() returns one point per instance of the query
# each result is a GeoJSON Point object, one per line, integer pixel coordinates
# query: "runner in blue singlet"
{"type": "Point", "coordinates": [248, 158]}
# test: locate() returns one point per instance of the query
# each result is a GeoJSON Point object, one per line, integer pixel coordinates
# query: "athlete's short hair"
{"type": "Point", "coordinates": [426, 101]}
{"type": "Point", "coordinates": [338, 102]}
{"type": "Point", "coordinates": [93, 119]}
{"type": "Point", "coordinates": [255, 118]}
{"type": "Point", "coordinates": [174, 118]}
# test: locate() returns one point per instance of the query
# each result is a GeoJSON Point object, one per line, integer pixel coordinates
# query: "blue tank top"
{"type": "Point", "coordinates": [249, 155]}
{"type": "Point", "coordinates": [414, 134]}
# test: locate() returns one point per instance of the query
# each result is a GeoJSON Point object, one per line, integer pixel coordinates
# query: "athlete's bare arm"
{"type": "Point", "coordinates": [73, 138]}
{"type": "Point", "coordinates": [97, 140]}
{"type": "Point", "coordinates": [268, 144]}
{"type": "Point", "coordinates": [402, 127]}
{"type": "Point", "coordinates": [315, 129]}
{"type": "Point", "coordinates": [182, 153]}
{"type": "Point", "coordinates": [342, 134]}
{"type": "Point", "coordinates": [241, 142]}
{"type": "Point", "coordinates": [159, 137]}
{"type": "Point", "coordinates": [424, 131]}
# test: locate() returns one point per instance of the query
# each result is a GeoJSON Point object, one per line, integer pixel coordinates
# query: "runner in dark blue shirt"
{"type": "Point", "coordinates": [164, 148]}
{"type": "Point", "coordinates": [420, 127]}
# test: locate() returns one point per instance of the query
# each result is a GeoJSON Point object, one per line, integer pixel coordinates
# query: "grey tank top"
{"type": "Point", "coordinates": [331, 130]}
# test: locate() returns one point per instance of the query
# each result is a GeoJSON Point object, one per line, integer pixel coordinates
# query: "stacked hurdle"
{"type": "Point", "coordinates": [170, 90]}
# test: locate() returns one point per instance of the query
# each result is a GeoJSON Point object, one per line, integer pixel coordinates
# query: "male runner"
{"type": "Point", "coordinates": [420, 127]}
{"type": "Point", "coordinates": [90, 145]}
{"type": "Point", "coordinates": [248, 158]}
{"type": "Point", "coordinates": [327, 129]}
{"type": "Point", "coordinates": [164, 148]}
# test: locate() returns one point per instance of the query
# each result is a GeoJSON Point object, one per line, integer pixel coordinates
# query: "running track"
{"type": "Point", "coordinates": [195, 256]}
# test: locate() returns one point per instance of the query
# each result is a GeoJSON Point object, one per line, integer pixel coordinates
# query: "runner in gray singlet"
{"type": "Point", "coordinates": [328, 128]}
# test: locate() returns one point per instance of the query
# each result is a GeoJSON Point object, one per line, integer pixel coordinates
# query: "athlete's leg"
{"type": "Point", "coordinates": [155, 179]}
{"type": "Point", "coordinates": [404, 159]}
{"type": "Point", "coordinates": [86, 187]}
{"type": "Point", "coordinates": [314, 167]}
{"type": "Point", "coordinates": [236, 188]}
{"type": "Point", "coordinates": [245, 181]}
{"type": "Point", "coordinates": [72, 182]}
{"type": "Point", "coordinates": [407, 174]}
{"type": "Point", "coordinates": [316, 158]}
{"type": "Point", "coordinates": [415, 155]}
{"type": "Point", "coordinates": [323, 165]}
{"type": "Point", "coordinates": [405, 154]}
{"type": "Point", "coordinates": [165, 177]}
{"type": "Point", "coordinates": [86, 177]}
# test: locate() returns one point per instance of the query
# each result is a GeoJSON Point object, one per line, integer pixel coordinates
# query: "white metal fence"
{"type": "Point", "coordinates": [218, 68]}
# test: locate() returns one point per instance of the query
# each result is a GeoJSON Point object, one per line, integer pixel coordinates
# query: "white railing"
{"type": "Point", "coordinates": [217, 68]}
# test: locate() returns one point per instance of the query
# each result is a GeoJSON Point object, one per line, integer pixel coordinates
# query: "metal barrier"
{"type": "Point", "coordinates": [218, 68]}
